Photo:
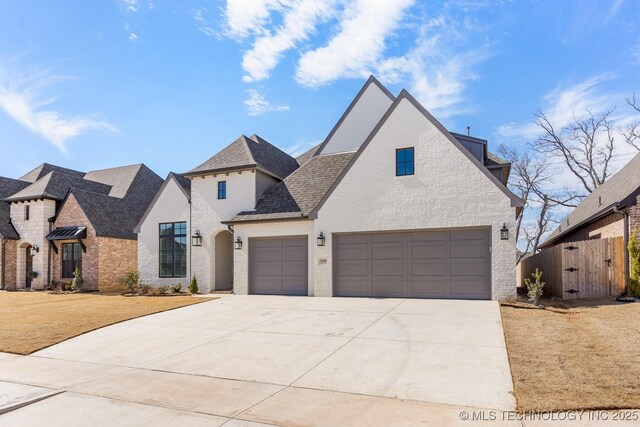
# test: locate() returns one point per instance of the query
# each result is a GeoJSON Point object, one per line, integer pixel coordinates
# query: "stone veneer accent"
{"type": "Point", "coordinates": [116, 256]}
{"type": "Point", "coordinates": [9, 266]}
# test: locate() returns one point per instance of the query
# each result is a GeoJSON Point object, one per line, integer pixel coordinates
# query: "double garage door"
{"type": "Point", "coordinates": [421, 264]}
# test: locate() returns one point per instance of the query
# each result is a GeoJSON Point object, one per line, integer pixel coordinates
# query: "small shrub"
{"type": "Point", "coordinates": [535, 287]}
{"type": "Point", "coordinates": [132, 280]}
{"type": "Point", "coordinates": [78, 281]}
{"type": "Point", "coordinates": [33, 274]}
{"type": "Point", "coordinates": [634, 256]}
{"type": "Point", "coordinates": [193, 286]}
{"type": "Point", "coordinates": [144, 289]}
{"type": "Point", "coordinates": [164, 290]}
{"type": "Point", "coordinates": [177, 288]}
{"type": "Point", "coordinates": [66, 287]}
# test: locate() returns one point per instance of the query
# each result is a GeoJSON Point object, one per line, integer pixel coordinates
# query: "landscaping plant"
{"type": "Point", "coordinates": [534, 288]}
{"type": "Point", "coordinates": [78, 281]}
{"type": "Point", "coordinates": [193, 286]}
{"type": "Point", "coordinates": [634, 274]}
{"type": "Point", "coordinates": [177, 288]}
{"type": "Point", "coordinates": [132, 280]}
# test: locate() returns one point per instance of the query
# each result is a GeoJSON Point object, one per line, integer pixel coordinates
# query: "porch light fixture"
{"type": "Point", "coordinates": [238, 243]}
{"type": "Point", "coordinates": [321, 239]}
{"type": "Point", "coordinates": [34, 250]}
{"type": "Point", "coordinates": [196, 239]}
{"type": "Point", "coordinates": [504, 232]}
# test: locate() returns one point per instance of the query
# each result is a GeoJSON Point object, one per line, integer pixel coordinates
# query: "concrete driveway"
{"type": "Point", "coordinates": [246, 360]}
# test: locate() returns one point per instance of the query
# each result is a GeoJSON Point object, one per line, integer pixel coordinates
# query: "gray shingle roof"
{"type": "Point", "coordinates": [117, 217]}
{"type": "Point", "coordinates": [185, 183]}
{"type": "Point", "coordinates": [300, 192]}
{"type": "Point", "coordinates": [307, 155]}
{"type": "Point", "coordinates": [119, 178]}
{"type": "Point", "coordinates": [8, 187]}
{"type": "Point", "coordinates": [55, 185]}
{"type": "Point", "coordinates": [621, 187]}
{"type": "Point", "coordinates": [44, 169]}
{"type": "Point", "coordinates": [249, 152]}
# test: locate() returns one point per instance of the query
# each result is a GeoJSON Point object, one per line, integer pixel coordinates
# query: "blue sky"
{"type": "Point", "coordinates": [98, 84]}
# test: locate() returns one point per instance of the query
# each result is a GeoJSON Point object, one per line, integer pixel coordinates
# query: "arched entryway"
{"type": "Point", "coordinates": [223, 260]}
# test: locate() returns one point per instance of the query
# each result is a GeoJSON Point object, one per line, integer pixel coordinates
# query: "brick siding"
{"type": "Point", "coordinates": [116, 257]}
{"type": "Point", "coordinates": [9, 266]}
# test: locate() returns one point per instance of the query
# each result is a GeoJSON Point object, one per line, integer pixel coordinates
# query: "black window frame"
{"type": "Point", "coordinates": [222, 190]}
{"type": "Point", "coordinates": [26, 212]}
{"type": "Point", "coordinates": [69, 265]}
{"type": "Point", "coordinates": [402, 165]}
{"type": "Point", "coordinates": [176, 238]}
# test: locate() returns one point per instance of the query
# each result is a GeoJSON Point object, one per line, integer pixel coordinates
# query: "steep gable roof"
{"type": "Point", "coordinates": [247, 153]}
{"type": "Point", "coordinates": [8, 187]}
{"type": "Point", "coordinates": [404, 95]}
{"type": "Point", "coordinates": [119, 178]}
{"type": "Point", "coordinates": [44, 169]}
{"type": "Point", "coordinates": [117, 217]}
{"type": "Point", "coordinates": [55, 185]}
{"type": "Point", "coordinates": [300, 192]}
{"type": "Point", "coordinates": [622, 188]}
{"type": "Point", "coordinates": [183, 183]}
{"type": "Point", "coordinates": [359, 117]}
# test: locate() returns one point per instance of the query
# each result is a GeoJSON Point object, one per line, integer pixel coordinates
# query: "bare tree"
{"type": "Point", "coordinates": [585, 144]}
{"type": "Point", "coordinates": [529, 180]}
{"type": "Point", "coordinates": [631, 132]}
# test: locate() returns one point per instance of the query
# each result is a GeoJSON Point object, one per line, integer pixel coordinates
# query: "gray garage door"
{"type": "Point", "coordinates": [278, 266]}
{"type": "Point", "coordinates": [421, 264]}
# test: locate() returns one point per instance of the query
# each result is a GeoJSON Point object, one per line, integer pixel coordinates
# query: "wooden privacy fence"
{"type": "Point", "coordinates": [584, 269]}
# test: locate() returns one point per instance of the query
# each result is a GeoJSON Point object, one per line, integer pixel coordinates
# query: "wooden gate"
{"type": "Point", "coordinates": [584, 269]}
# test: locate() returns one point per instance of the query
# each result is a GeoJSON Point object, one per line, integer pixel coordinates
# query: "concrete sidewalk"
{"type": "Point", "coordinates": [242, 360]}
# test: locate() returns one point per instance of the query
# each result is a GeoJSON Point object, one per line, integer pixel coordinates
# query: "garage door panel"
{"type": "Point", "coordinates": [471, 287]}
{"type": "Point", "coordinates": [427, 264]}
{"type": "Point", "coordinates": [278, 266]}
{"type": "Point", "coordinates": [388, 288]}
{"type": "Point", "coordinates": [433, 288]}
{"type": "Point", "coordinates": [469, 267]}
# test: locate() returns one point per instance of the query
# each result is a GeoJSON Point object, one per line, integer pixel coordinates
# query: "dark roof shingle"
{"type": "Point", "coordinates": [55, 185]}
{"type": "Point", "coordinates": [8, 187]}
{"type": "Point", "coordinates": [307, 155]}
{"type": "Point", "coordinates": [300, 192]}
{"type": "Point", "coordinates": [44, 169]}
{"type": "Point", "coordinates": [249, 152]}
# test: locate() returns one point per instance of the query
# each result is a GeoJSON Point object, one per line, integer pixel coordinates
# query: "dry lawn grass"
{"type": "Point", "coordinates": [31, 321]}
{"type": "Point", "coordinates": [577, 355]}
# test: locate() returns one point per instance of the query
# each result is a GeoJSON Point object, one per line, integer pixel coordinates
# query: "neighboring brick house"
{"type": "Point", "coordinates": [391, 204]}
{"type": "Point", "coordinates": [606, 212]}
{"type": "Point", "coordinates": [55, 219]}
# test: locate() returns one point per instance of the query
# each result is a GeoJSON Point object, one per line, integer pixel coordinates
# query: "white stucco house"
{"type": "Point", "coordinates": [391, 204]}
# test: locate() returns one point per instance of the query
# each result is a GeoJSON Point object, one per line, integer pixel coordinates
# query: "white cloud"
{"type": "Point", "coordinates": [130, 5]}
{"type": "Point", "coordinates": [258, 105]}
{"type": "Point", "coordinates": [359, 44]}
{"type": "Point", "coordinates": [22, 100]}
{"type": "Point", "coordinates": [300, 19]}
{"type": "Point", "coordinates": [133, 37]}
{"type": "Point", "coordinates": [246, 17]}
{"type": "Point", "coordinates": [561, 104]}
{"type": "Point", "coordinates": [202, 23]}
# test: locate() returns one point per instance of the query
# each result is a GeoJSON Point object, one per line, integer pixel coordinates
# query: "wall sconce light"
{"type": "Point", "coordinates": [196, 239]}
{"type": "Point", "coordinates": [504, 232]}
{"type": "Point", "coordinates": [34, 250]}
{"type": "Point", "coordinates": [238, 243]}
{"type": "Point", "coordinates": [321, 239]}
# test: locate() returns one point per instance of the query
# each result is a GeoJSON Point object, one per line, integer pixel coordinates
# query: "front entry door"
{"type": "Point", "coordinates": [28, 268]}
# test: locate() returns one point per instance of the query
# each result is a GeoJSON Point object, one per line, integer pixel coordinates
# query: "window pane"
{"type": "Point", "coordinates": [400, 169]}
{"type": "Point", "coordinates": [409, 168]}
{"type": "Point", "coordinates": [409, 155]}
{"type": "Point", "coordinates": [400, 156]}
{"type": "Point", "coordinates": [166, 229]}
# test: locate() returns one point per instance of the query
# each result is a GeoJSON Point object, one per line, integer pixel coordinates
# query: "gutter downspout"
{"type": "Point", "coordinates": [190, 245]}
{"type": "Point", "coordinates": [616, 209]}
{"type": "Point", "coordinates": [3, 262]}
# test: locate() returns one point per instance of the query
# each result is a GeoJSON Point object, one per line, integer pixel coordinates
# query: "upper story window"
{"type": "Point", "coordinates": [222, 189]}
{"type": "Point", "coordinates": [404, 161]}
{"type": "Point", "coordinates": [26, 213]}
{"type": "Point", "coordinates": [173, 249]}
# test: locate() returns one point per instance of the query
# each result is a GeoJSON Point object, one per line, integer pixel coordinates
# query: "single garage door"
{"type": "Point", "coordinates": [420, 264]}
{"type": "Point", "coordinates": [278, 266]}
